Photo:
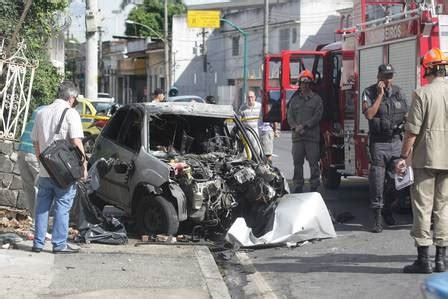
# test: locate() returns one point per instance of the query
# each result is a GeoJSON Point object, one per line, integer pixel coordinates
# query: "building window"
{"type": "Point", "coordinates": [284, 39]}
{"type": "Point", "coordinates": [235, 46]}
{"type": "Point", "coordinates": [294, 35]}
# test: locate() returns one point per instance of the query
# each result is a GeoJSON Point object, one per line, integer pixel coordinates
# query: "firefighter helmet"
{"type": "Point", "coordinates": [434, 57]}
{"type": "Point", "coordinates": [306, 76]}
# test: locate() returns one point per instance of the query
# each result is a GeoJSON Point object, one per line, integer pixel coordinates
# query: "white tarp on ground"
{"type": "Point", "coordinates": [298, 217]}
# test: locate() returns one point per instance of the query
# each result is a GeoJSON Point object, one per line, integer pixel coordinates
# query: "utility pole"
{"type": "Point", "coordinates": [204, 51]}
{"type": "Point", "coordinates": [91, 70]}
{"type": "Point", "coordinates": [266, 29]}
{"type": "Point", "coordinates": [167, 59]}
{"type": "Point", "coordinates": [100, 52]}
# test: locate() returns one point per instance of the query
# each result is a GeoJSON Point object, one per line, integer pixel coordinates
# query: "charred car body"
{"type": "Point", "coordinates": [186, 161]}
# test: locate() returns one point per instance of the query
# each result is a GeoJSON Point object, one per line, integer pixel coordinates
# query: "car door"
{"type": "Point", "coordinates": [122, 140]}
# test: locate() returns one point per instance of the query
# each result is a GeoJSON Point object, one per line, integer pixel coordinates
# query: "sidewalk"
{"type": "Point", "coordinates": [146, 271]}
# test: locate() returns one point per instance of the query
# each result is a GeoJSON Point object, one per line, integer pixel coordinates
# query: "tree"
{"type": "Point", "coordinates": [39, 26]}
{"type": "Point", "coordinates": [151, 14]}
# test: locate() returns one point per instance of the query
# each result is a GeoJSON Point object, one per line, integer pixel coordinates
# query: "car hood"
{"type": "Point", "coordinates": [191, 109]}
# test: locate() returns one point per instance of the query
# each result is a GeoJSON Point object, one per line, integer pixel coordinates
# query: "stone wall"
{"type": "Point", "coordinates": [11, 193]}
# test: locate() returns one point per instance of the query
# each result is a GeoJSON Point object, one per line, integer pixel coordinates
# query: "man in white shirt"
{"type": "Point", "coordinates": [250, 111]}
{"type": "Point", "coordinates": [43, 134]}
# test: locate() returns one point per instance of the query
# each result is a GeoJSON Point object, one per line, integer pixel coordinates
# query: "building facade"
{"type": "Point", "coordinates": [210, 62]}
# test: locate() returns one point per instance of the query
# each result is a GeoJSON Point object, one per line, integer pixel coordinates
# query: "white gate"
{"type": "Point", "coordinates": [16, 81]}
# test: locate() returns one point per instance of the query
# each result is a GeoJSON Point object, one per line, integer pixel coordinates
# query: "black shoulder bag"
{"type": "Point", "coordinates": [63, 160]}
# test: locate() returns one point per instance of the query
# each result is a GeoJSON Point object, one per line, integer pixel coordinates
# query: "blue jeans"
{"type": "Point", "coordinates": [62, 199]}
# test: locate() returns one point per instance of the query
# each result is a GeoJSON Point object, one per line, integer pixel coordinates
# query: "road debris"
{"type": "Point", "coordinates": [15, 221]}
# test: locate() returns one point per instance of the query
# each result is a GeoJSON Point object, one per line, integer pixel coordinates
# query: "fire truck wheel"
{"type": "Point", "coordinates": [331, 179]}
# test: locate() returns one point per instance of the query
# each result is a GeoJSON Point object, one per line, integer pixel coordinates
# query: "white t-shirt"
{"type": "Point", "coordinates": [47, 120]}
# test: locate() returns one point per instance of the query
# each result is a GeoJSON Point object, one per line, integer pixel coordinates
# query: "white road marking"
{"type": "Point", "coordinates": [262, 287]}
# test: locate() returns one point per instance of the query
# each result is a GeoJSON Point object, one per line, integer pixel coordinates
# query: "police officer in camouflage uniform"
{"type": "Point", "coordinates": [304, 114]}
{"type": "Point", "coordinates": [385, 106]}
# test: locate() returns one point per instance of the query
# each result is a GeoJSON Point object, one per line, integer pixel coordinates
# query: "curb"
{"type": "Point", "coordinates": [213, 279]}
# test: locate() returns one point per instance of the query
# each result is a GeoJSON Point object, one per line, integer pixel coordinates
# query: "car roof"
{"type": "Point", "coordinates": [189, 108]}
{"type": "Point", "coordinates": [177, 98]}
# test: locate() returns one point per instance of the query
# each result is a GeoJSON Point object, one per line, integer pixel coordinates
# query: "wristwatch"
{"type": "Point", "coordinates": [403, 157]}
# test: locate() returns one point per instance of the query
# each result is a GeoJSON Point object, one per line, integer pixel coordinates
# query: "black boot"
{"type": "Point", "coordinates": [388, 217]}
{"type": "Point", "coordinates": [378, 221]}
{"type": "Point", "coordinates": [422, 264]}
{"type": "Point", "coordinates": [440, 259]}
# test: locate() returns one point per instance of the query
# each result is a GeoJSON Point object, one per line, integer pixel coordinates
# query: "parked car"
{"type": "Point", "coordinates": [105, 108]}
{"type": "Point", "coordinates": [105, 97]}
{"type": "Point", "coordinates": [88, 115]}
{"type": "Point", "coordinates": [92, 121]}
{"type": "Point", "coordinates": [179, 162]}
{"type": "Point", "coordinates": [196, 99]}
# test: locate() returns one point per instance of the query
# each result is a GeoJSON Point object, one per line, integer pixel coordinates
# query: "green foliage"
{"type": "Point", "coordinates": [151, 14]}
{"type": "Point", "coordinates": [39, 26]}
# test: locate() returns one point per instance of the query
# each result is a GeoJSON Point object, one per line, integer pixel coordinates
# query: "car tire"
{"type": "Point", "coordinates": [331, 179]}
{"type": "Point", "coordinates": [157, 216]}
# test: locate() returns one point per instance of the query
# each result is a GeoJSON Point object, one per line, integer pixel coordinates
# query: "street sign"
{"type": "Point", "coordinates": [203, 18]}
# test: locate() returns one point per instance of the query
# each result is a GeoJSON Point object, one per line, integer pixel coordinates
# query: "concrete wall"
{"type": "Point", "coordinates": [11, 193]}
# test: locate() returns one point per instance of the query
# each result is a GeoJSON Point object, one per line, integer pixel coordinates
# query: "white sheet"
{"type": "Point", "coordinates": [298, 217]}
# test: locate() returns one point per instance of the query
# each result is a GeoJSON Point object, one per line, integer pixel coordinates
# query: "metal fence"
{"type": "Point", "coordinates": [16, 81]}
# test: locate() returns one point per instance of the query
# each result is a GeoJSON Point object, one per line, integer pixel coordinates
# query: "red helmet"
{"type": "Point", "coordinates": [434, 57]}
{"type": "Point", "coordinates": [306, 74]}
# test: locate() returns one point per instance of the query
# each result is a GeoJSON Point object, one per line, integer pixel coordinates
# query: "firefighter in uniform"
{"type": "Point", "coordinates": [426, 138]}
{"type": "Point", "coordinates": [385, 106]}
{"type": "Point", "coordinates": [304, 114]}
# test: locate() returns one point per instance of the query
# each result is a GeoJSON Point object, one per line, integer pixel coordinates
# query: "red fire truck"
{"type": "Point", "coordinates": [343, 69]}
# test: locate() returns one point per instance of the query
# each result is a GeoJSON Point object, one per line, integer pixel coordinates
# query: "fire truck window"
{"type": "Point", "coordinates": [337, 63]}
{"type": "Point", "coordinates": [318, 67]}
{"type": "Point", "coordinates": [300, 63]}
{"type": "Point", "coordinates": [349, 105]}
{"type": "Point", "coordinates": [274, 73]}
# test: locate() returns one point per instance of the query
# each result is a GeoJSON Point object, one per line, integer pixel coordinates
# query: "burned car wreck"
{"type": "Point", "coordinates": [189, 163]}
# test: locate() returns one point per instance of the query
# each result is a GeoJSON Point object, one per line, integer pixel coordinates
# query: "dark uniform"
{"type": "Point", "coordinates": [385, 135]}
{"type": "Point", "coordinates": [306, 111]}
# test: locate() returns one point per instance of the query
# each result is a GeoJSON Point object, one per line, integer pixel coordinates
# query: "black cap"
{"type": "Point", "coordinates": [386, 69]}
{"type": "Point", "coordinates": [158, 91]}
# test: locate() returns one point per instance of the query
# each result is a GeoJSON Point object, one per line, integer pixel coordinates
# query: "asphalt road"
{"type": "Point", "coordinates": [282, 156]}
{"type": "Point", "coordinates": [356, 264]}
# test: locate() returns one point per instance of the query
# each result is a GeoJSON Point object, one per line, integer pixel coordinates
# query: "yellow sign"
{"type": "Point", "coordinates": [203, 18]}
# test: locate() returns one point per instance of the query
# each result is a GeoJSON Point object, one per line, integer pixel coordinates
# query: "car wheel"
{"type": "Point", "coordinates": [331, 179]}
{"type": "Point", "coordinates": [157, 215]}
